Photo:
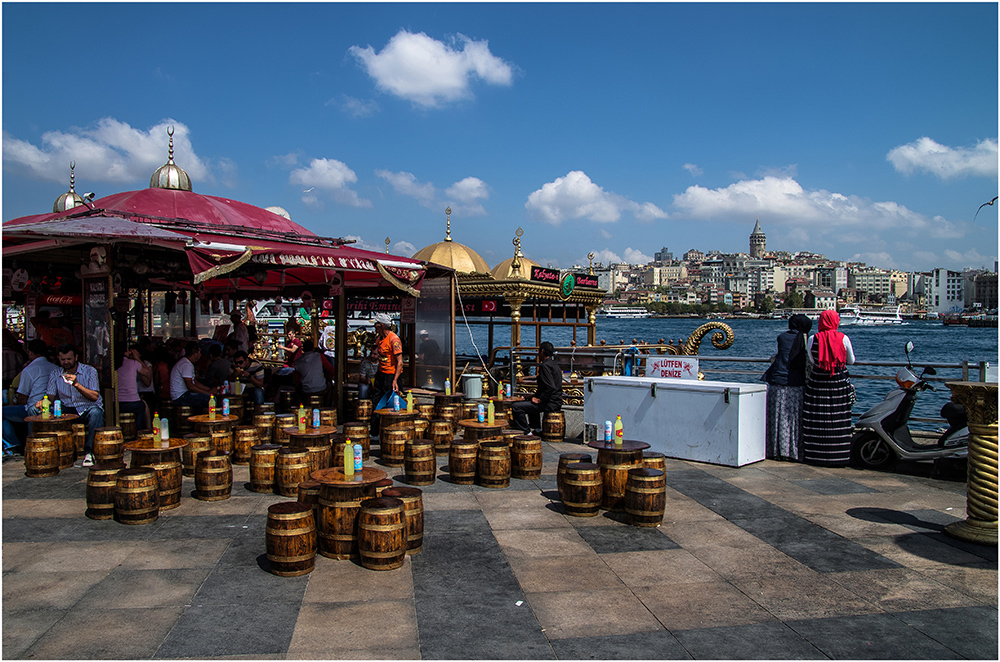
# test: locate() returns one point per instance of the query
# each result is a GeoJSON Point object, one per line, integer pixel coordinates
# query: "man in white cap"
{"type": "Point", "coordinates": [389, 352]}
{"type": "Point", "coordinates": [240, 332]}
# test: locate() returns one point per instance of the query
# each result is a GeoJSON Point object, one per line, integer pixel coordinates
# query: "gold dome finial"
{"type": "Point", "coordinates": [515, 265]}
{"type": "Point", "coordinates": [70, 199]}
{"type": "Point", "coordinates": [387, 242]}
{"type": "Point", "coordinates": [591, 256]}
{"type": "Point", "coordinates": [170, 176]}
{"type": "Point", "coordinates": [447, 236]}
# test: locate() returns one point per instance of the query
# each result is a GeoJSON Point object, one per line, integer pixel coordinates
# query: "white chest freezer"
{"type": "Point", "coordinates": [716, 422]}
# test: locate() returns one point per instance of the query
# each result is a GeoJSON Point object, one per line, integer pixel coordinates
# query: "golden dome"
{"type": "Point", "coordinates": [505, 270]}
{"type": "Point", "coordinates": [69, 199]}
{"type": "Point", "coordinates": [170, 176]}
{"type": "Point", "coordinates": [450, 253]}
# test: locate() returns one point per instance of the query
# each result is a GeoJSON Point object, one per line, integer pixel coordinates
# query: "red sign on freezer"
{"type": "Point", "coordinates": [680, 367]}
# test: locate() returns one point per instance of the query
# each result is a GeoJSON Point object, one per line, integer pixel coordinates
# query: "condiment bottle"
{"type": "Point", "coordinates": [619, 431]}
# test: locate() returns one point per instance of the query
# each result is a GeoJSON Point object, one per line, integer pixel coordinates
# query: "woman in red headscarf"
{"type": "Point", "coordinates": [826, 406]}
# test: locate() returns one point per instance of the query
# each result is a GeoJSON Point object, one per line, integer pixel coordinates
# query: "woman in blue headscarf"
{"type": "Point", "coordinates": [786, 378]}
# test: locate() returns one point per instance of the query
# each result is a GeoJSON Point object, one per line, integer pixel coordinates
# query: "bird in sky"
{"type": "Point", "coordinates": [312, 187]}
{"type": "Point", "coordinates": [990, 203]}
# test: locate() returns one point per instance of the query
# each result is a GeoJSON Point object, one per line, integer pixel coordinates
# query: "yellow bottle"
{"type": "Point", "coordinates": [349, 459]}
{"type": "Point", "coordinates": [302, 418]}
{"type": "Point", "coordinates": [619, 432]}
{"type": "Point", "coordinates": [500, 391]}
{"type": "Point", "coordinates": [211, 407]}
{"type": "Point", "coordinates": [447, 386]}
{"type": "Point", "coordinates": [156, 425]}
{"type": "Point", "coordinates": [491, 412]}
{"type": "Point", "coordinates": [409, 401]}
{"type": "Point", "coordinates": [45, 407]}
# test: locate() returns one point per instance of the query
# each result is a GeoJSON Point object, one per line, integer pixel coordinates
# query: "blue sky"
{"type": "Point", "coordinates": [862, 131]}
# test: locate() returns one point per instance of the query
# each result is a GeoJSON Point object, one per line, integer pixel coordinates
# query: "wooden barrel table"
{"type": "Point", "coordinates": [51, 424]}
{"type": "Point", "coordinates": [493, 464]}
{"type": "Point", "coordinates": [565, 459]}
{"type": "Point", "coordinates": [263, 458]}
{"type": "Point", "coordinates": [441, 400]}
{"type": "Point", "coordinates": [150, 451]}
{"type": "Point", "coordinates": [485, 431]}
{"type": "Point", "coordinates": [645, 497]}
{"type": "Point", "coordinates": [136, 499]}
{"type": "Point", "coordinates": [381, 533]}
{"type": "Point", "coordinates": [526, 457]}
{"type": "Point", "coordinates": [101, 481]}
{"type": "Point", "coordinates": [290, 539]}
{"type": "Point", "coordinates": [616, 461]}
{"type": "Point", "coordinates": [340, 498]}
{"type": "Point", "coordinates": [214, 427]}
{"type": "Point", "coordinates": [213, 476]}
{"type": "Point", "coordinates": [413, 504]}
{"type": "Point", "coordinates": [582, 489]}
{"type": "Point", "coordinates": [318, 442]}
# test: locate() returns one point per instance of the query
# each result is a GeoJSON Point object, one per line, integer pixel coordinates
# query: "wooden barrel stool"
{"type": "Point", "coordinates": [426, 410]}
{"type": "Point", "coordinates": [420, 428]}
{"type": "Point", "coordinates": [363, 410]}
{"type": "Point", "coordinates": [244, 438]}
{"type": "Point", "coordinates": [526, 457]}
{"type": "Point", "coordinates": [383, 485]}
{"type": "Point", "coordinates": [101, 481]}
{"type": "Point", "coordinates": [615, 465]}
{"type": "Point", "coordinates": [282, 421]}
{"type": "Point", "coordinates": [264, 422]}
{"type": "Point", "coordinates": [470, 410]}
{"type": "Point", "coordinates": [420, 464]}
{"type": "Point", "coordinates": [263, 458]}
{"type": "Point", "coordinates": [357, 433]}
{"type": "Point", "coordinates": [41, 455]}
{"type": "Point", "coordinates": [181, 424]}
{"type": "Point", "coordinates": [196, 444]}
{"type": "Point", "coordinates": [582, 489]}
{"type": "Point", "coordinates": [291, 467]}
{"type": "Point", "coordinates": [136, 500]}
{"type": "Point", "coordinates": [493, 464]}
{"type": "Point", "coordinates": [566, 459]}
{"type": "Point", "coordinates": [222, 440]}
{"type": "Point", "coordinates": [553, 426]}
{"type": "Point", "coordinates": [450, 413]}
{"type": "Point", "coordinates": [129, 426]}
{"type": "Point", "coordinates": [328, 416]}
{"type": "Point", "coordinates": [309, 493]}
{"type": "Point", "coordinates": [264, 408]}
{"type": "Point", "coordinates": [314, 401]}
{"type": "Point", "coordinates": [645, 497]}
{"type": "Point", "coordinates": [413, 505]}
{"type": "Point", "coordinates": [67, 448]}
{"type": "Point", "coordinates": [213, 476]}
{"type": "Point", "coordinates": [109, 444]}
{"type": "Point", "coordinates": [381, 533]}
{"type": "Point", "coordinates": [508, 434]}
{"type": "Point", "coordinates": [288, 401]}
{"type": "Point", "coordinates": [339, 507]}
{"type": "Point", "coordinates": [290, 538]}
{"type": "Point", "coordinates": [393, 446]}
{"type": "Point", "coordinates": [439, 431]}
{"type": "Point", "coordinates": [462, 461]}
{"type": "Point", "coordinates": [654, 460]}
{"type": "Point", "coordinates": [169, 480]}
{"type": "Point", "coordinates": [236, 407]}
{"type": "Point", "coordinates": [79, 436]}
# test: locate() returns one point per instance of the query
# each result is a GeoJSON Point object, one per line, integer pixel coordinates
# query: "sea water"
{"type": "Point", "coordinates": [933, 343]}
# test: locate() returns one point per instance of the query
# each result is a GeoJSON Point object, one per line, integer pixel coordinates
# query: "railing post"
{"type": "Point", "coordinates": [965, 370]}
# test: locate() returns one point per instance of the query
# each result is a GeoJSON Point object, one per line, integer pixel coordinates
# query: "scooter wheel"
{"type": "Point", "coordinates": [871, 452]}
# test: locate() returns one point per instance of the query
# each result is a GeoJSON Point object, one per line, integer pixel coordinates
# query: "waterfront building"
{"type": "Point", "coordinates": [694, 255]}
{"type": "Point", "coordinates": [819, 299]}
{"type": "Point", "coordinates": [945, 291]}
{"type": "Point", "coordinates": [985, 291]}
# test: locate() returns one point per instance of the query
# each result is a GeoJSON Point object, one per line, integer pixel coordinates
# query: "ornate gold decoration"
{"type": "Point", "coordinates": [387, 242]}
{"type": "Point", "coordinates": [723, 339]}
{"type": "Point", "coordinates": [71, 198]}
{"type": "Point", "coordinates": [170, 176]}
{"type": "Point", "coordinates": [980, 402]}
{"type": "Point", "coordinates": [591, 256]}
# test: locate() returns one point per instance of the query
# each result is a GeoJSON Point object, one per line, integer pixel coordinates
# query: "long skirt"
{"type": "Point", "coordinates": [784, 423]}
{"type": "Point", "coordinates": [826, 419]}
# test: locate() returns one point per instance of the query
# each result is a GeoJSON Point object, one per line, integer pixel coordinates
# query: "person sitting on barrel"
{"type": "Point", "coordinates": [78, 387]}
{"type": "Point", "coordinates": [185, 389]}
{"type": "Point", "coordinates": [548, 392]}
{"type": "Point", "coordinates": [250, 373]}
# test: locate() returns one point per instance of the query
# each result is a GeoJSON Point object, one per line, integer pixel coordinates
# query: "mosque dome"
{"type": "Point", "coordinates": [450, 253]}
{"type": "Point", "coordinates": [170, 176]}
{"type": "Point", "coordinates": [506, 269]}
{"type": "Point", "coordinates": [280, 211]}
{"type": "Point", "coordinates": [70, 199]}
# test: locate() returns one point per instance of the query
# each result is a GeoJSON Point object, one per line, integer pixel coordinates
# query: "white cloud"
{"type": "Point", "coordinates": [881, 259]}
{"type": "Point", "coordinates": [693, 169]}
{"type": "Point", "coordinates": [576, 196]}
{"type": "Point", "coordinates": [429, 72]}
{"type": "Point", "coordinates": [970, 259]}
{"type": "Point", "coordinates": [285, 161]}
{"type": "Point", "coordinates": [946, 162]}
{"type": "Point", "coordinates": [357, 107]}
{"type": "Point", "coordinates": [403, 248]}
{"type": "Point", "coordinates": [329, 176]}
{"type": "Point", "coordinates": [635, 256]}
{"type": "Point", "coordinates": [463, 196]}
{"type": "Point", "coordinates": [607, 256]}
{"type": "Point", "coordinates": [108, 151]}
{"type": "Point", "coordinates": [605, 234]}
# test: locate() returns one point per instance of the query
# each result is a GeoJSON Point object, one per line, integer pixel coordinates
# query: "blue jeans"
{"type": "Point", "coordinates": [138, 408]}
{"type": "Point", "coordinates": [253, 394]}
{"type": "Point", "coordinates": [192, 399]}
{"type": "Point", "coordinates": [15, 414]}
{"type": "Point", "coordinates": [93, 418]}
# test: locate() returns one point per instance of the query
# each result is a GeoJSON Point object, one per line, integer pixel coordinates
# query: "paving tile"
{"type": "Point", "coordinates": [901, 589]}
{"type": "Point", "coordinates": [701, 605]}
{"type": "Point", "coordinates": [201, 526]}
{"type": "Point", "coordinates": [43, 508]}
{"type": "Point", "coordinates": [574, 614]}
{"type": "Point", "coordinates": [455, 521]}
{"type": "Point", "coordinates": [495, 499]}
{"type": "Point", "coordinates": [80, 556]}
{"type": "Point", "coordinates": [761, 560]}
{"type": "Point", "coordinates": [132, 589]}
{"type": "Point", "coordinates": [969, 631]}
{"type": "Point", "coordinates": [435, 501]}
{"type": "Point", "coordinates": [803, 596]}
{"type": "Point", "coordinates": [18, 554]}
{"type": "Point", "coordinates": [381, 624]}
{"type": "Point", "coordinates": [234, 505]}
{"type": "Point", "coordinates": [659, 645]}
{"type": "Point", "coordinates": [474, 627]}
{"type": "Point", "coordinates": [757, 641]}
{"type": "Point", "coordinates": [67, 484]}
{"type": "Point", "coordinates": [122, 634]}
{"type": "Point", "coordinates": [338, 581]}
{"type": "Point", "coordinates": [538, 516]}
{"type": "Point", "coordinates": [614, 540]}
{"type": "Point", "coordinates": [25, 591]}
{"type": "Point", "coordinates": [542, 542]}
{"type": "Point", "coordinates": [22, 629]}
{"type": "Point", "coordinates": [854, 527]}
{"type": "Point", "coordinates": [870, 637]}
{"type": "Point", "coordinates": [659, 568]}
{"type": "Point", "coordinates": [249, 629]}
{"type": "Point", "coordinates": [714, 533]}
{"type": "Point", "coordinates": [718, 495]}
{"type": "Point", "coordinates": [919, 550]}
{"type": "Point", "coordinates": [977, 580]}
{"type": "Point", "coordinates": [563, 573]}
{"type": "Point", "coordinates": [832, 486]}
{"type": "Point", "coordinates": [249, 586]}
{"type": "Point", "coordinates": [175, 553]}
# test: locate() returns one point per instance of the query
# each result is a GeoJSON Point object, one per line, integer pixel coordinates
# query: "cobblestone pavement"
{"type": "Point", "coordinates": [769, 561]}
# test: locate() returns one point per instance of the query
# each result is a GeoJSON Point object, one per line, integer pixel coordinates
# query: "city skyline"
{"type": "Point", "coordinates": [864, 132]}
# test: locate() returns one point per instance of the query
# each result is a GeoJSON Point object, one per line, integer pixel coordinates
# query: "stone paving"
{"type": "Point", "coordinates": [769, 561]}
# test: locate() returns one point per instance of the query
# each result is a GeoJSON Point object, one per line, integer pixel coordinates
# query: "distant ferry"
{"type": "Point", "coordinates": [853, 315]}
{"type": "Point", "coordinates": [623, 312]}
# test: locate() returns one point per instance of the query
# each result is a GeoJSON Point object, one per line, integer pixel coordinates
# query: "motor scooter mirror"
{"type": "Point", "coordinates": [930, 371]}
{"type": "Point", "coordinates": [908, 347]}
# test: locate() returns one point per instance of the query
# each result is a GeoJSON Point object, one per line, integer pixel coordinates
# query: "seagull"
{"type": "Point", "coordinates": [309, 189]}
{"type": "Point", "coordinates": [990, 203]}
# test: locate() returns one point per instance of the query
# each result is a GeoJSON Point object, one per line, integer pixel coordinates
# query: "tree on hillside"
{"type": "Point", "coordinates": [794, 300]}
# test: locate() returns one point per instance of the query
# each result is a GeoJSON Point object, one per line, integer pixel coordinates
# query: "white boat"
{"type": "Point", "coordinates": [623, 312]}
{"type": "Point", "coordinates": [857, 316]}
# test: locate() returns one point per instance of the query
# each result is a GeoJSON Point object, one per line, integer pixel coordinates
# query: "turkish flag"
{"type": "Point", "coordinates": [489, 306]}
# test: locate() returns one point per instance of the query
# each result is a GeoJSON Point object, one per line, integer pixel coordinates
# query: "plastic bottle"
{"type": "Point", "coordinates": [500, 391]}
{"type": "Point", "coordinates": [491, 412]}
{"type": "Point", "coordinates": [447, 386]}
{"type": "Point", "coordinates": [395, 402]}
{"type": "Point", "coordinates": [57, 408]}
{"type": "Point", "coordinates": [45, 407]}
{"type": "Point", "coordinates": [348, 459]}
{"type": "Point", "coordinates": [225, 386]}
{"type": "Point", "coordinates": [409, 401]}
{"type": "Point", "coordinates": [358, 457]}
{"type": "Point", "coordinates": [225, 407]}
{"type": "Point", "coordinates": [315, 418]}
{"type": "Point", "coordinates": [480, 413]}
{"type": "Point", "coordinates": [619, 431]}
{"type": "Point", "coordinates": [302, 418]}
{"type": "Point", "coordinates": [156, 425]}
{"type": "Point", "coordinates": [211, 407]}
{"type": "Point", "coordinates": [164, 433]}
{"type": "Point", "coordinates": [608, 432]}
{"type": "Point", "coordinates": [508, 389]}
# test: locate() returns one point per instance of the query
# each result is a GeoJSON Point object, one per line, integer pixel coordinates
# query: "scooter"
{"type": "Point", "coordinates": [882, 435]}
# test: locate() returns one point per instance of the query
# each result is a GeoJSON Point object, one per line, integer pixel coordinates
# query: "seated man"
{"type": "Point", "coordinates": [312, 370]}
{"type": "Point", "coordinates": [185, 389]}
{"type": "Point", "coordinates": [548, 393]}
{"type": "Point", "coordinates": [32, 388]}
{"type": "Point", "coordinates": [220, 367]}
{"type": "Point", "coordinates": [250, 373]}
{"type": "Point", "coordinates": [78, 387]}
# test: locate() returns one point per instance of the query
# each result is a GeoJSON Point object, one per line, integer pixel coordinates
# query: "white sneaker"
{"type": "Point", "coordinates": [88, 460]}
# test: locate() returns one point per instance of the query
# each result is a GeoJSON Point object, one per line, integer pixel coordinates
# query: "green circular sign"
{"type": "Point", "coordinates": [567, 285]}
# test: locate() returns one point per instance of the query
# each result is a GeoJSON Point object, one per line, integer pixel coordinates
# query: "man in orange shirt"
{"type": "Point", "coordinates": [389, 351]}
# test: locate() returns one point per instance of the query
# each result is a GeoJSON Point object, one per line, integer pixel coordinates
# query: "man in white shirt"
{"type": "Point", "coordinates": [32, 388]}
{"type": "Point", "coordinates": [185, 389]}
